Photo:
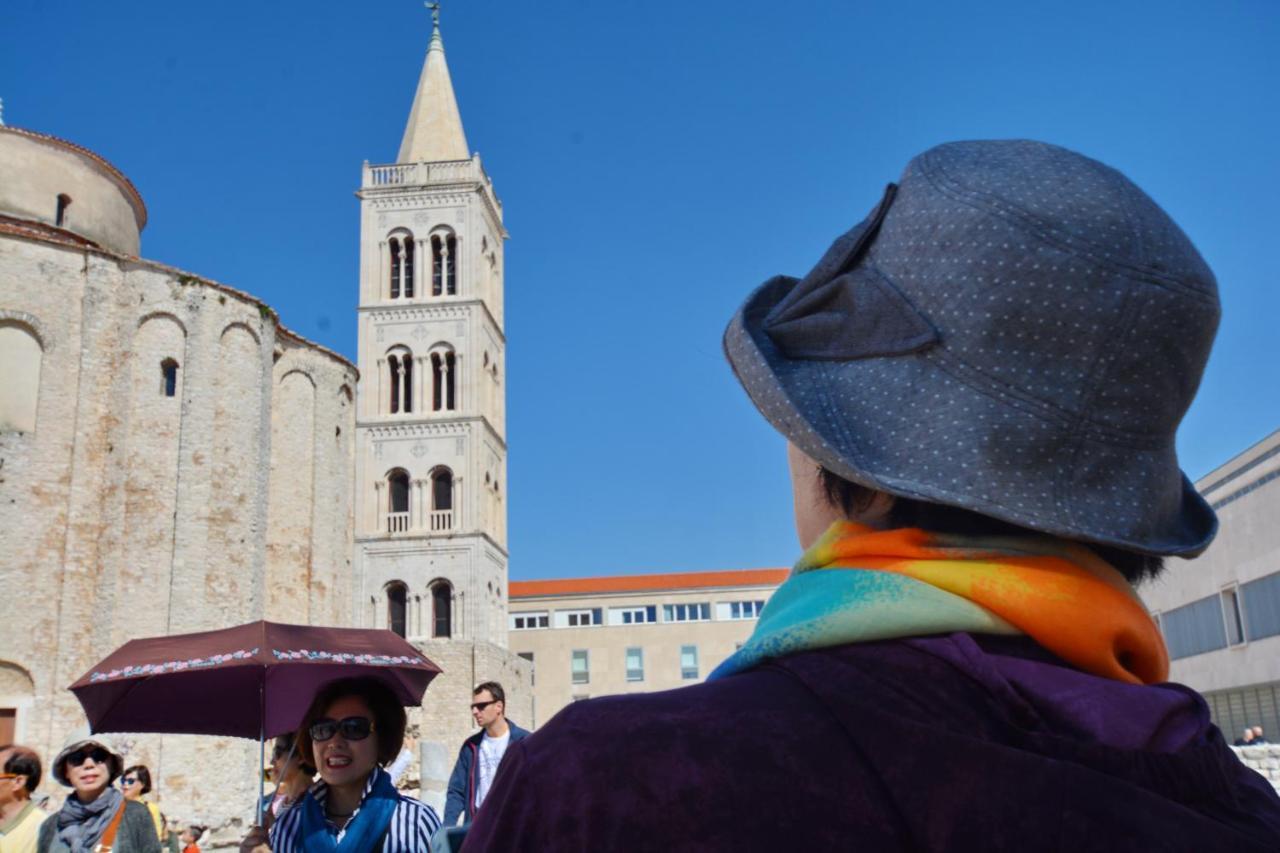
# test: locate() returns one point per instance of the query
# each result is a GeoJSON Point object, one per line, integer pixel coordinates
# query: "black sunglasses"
{"type": "Point", "coordinates": [97, 753]}
{"type": "Point", "coordinates": [480, 706]}
{"type": "Point", "coordinates": [352, 728]}
{"type": "Point", "coordinates": [126, 781]}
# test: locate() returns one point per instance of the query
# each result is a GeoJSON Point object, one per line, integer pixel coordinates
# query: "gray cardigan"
{"type": "Point", "coordinates": [137, 833]}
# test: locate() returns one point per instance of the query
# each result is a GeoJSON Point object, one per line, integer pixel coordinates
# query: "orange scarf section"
{"type": "Point", "coordinates": [1061, 595]}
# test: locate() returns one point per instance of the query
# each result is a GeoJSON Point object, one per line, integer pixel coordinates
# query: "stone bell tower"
{"type": "Point", "coordinates": [431, 453]}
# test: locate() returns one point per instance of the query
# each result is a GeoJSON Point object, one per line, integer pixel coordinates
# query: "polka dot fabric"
{"type": "Point", "coordinates": [1074, 320]}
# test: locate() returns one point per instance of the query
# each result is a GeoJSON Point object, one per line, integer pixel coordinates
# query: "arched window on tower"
{"type": "Point", "coordinates": [407, 248]}
{"type": "Point", "coordinates": [169, 377]}
{"type": "Point", "coordinates": [441, 609]}
{"type": "Point", "coordinates": [400, 377]}
{"type": "Point", "coordinates": [444, 380]}
{"type": "Point", "coordinates": [441, 499]}
{"type": "Point", "coordinates": [397, 607]}
{"type": "Point", "coordinates": [451, 266]}
{"type": "Point", "coordinates": [401, 247]}
{"type": "Point", "coordinates": [60, 218]}
{"type": "Point", "coordinates": [397, 266]}
{"type": "Point", "coordinates": [444, 264]}
{"type": "Point", "coordinates": [398, 501]}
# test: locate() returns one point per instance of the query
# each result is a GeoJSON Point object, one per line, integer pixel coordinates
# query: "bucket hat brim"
{"type": "Point", "coordinates": [59, 770]}
{"type": "Point", "coordinates": [915, 425]}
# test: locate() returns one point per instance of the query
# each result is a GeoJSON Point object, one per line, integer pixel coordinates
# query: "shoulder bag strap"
{"type": "Point", "coordinates": [109, 836]}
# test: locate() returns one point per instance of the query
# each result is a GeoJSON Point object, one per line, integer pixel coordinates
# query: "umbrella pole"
{"type": "Point", "coordinates": [262, 748]}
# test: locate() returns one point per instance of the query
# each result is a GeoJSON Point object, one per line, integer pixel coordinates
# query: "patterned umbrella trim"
{"type": "Point", "coordinates": [348, 657]}
{"type": "Point", "coordinates": [172, 665]}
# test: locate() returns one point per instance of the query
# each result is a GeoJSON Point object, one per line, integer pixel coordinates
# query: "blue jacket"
{"type": "Point", "coordinates": [463, 780]}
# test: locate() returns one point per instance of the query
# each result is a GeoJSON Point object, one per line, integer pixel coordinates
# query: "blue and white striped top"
{"type": "Point", "coordinates": [412, 823]}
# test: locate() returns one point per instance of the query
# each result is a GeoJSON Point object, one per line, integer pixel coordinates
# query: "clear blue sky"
{"type": "Point", "coordinates": [656, 162]}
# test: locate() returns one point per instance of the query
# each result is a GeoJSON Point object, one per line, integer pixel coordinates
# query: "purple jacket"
{"type": "Point", "coordinates": [939, 743]}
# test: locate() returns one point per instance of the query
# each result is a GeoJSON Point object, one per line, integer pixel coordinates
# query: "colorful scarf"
{"type": "Point", "coordinates": [857, 585]}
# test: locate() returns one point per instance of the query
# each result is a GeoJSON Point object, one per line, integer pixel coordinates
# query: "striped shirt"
{"type": "Point", "coordinates": [412, 823]}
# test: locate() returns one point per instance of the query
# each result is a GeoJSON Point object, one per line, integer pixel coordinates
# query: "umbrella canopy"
{"type": "Point", "coordinates": [222, 682]}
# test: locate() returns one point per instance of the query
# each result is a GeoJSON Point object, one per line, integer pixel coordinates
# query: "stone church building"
{"type": "Point", "coordinates": [174, 459]}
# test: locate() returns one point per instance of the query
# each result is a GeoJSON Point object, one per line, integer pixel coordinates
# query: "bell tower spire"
{"type": "Point", "coordinates": [434, 131]}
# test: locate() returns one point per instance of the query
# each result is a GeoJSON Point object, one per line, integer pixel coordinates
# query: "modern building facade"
{"type": "Point", "coordinates": [636, 633]}
{"type": "Point", "coordinates": [1220, 613]}
{"type": "Point", "coordinates": [430, 476]}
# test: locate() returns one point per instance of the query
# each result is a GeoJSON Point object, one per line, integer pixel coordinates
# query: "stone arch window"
{"type": "Point", "coordinates": [441, 499]}
{"type": "Point", "coordinates": [444, 385]}
{"type": "Point", "coordinates": [64, 201]}
{"type": "Point", "coordinates": [444, 264]}
{"type": "Point", "coordinates": [398, 497]}
{"type": "Point", "coordinates": [21, 352]}
{"type": "Point", "coordinates": [400, 376]}
{"type": "Point", "coordinates": [397, 607]}
{"type": "Point", "coordinates": [441, 609]}
{"type": "Point", "coordinates": [403, 256]}
{"type": "Point", "coordinates": [169, 377]}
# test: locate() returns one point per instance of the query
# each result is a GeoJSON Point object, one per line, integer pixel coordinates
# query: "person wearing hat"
{"type": "Point", "coordinates": [95, 816]}
{"type": "Point", "coordinates": [979, 387]}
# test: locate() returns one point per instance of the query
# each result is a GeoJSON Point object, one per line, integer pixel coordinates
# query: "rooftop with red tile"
{"type": "Point", "coordinates": [673, 582]}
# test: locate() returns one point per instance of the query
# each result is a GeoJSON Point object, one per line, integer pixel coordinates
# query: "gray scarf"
{"type": "Point", "coordinates": [80, 825]}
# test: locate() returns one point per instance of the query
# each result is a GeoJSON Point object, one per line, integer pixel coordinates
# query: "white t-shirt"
{"type": "Point", "coordinates": [491, 751]}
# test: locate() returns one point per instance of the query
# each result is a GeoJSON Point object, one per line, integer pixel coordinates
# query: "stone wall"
{"type": "Point", "coordinates": [127, 512]}
{"type": "Point", "coordinates": [1264, 759]}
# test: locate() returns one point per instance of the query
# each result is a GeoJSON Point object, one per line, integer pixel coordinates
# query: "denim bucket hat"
{"type": "Point", "coordinates": [1016, 330]}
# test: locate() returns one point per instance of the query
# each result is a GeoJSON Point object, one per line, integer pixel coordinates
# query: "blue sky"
{"type": "Point", "coordinates": [656, 162]}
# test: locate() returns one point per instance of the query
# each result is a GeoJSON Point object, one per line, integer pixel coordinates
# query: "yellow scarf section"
{"type": "Point", "coordinates": [1061, 595]}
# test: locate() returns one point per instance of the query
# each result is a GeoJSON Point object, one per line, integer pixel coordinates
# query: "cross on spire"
{"type": "Point", "coordinates": [434, 6]}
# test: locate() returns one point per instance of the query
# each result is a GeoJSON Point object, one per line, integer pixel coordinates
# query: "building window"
{"type": "Point", "coordinates": [633, 615]}
{"type": "Point", "coordinates": [686, 612]}
{"type": "Point", "coordinates": [1231, 615]}
{"type": "Point", "coordinates": [526, 621]}
{"type": "Point", "coordinates": [398, 501]}
{"type": "Point", "coordinates": [1194, 628]}
{"type": "Point", "coordinates": [533, 672]}
{"type": "Point", "coordinates": [168, 377]}
{"type": "Point", "coordinates": [396, 607]}
{"type": "Point", "coordinates": [689, 662]}
{"type": "Point", "coordinates": [583, 618]}
{"type": "Point", "coordinates": [444, 381]}
{"type": "Point", "coordinates": [581, 667]}
{"type": "Point", "coordinates": [60, 218]}
{"type": "Point", "coordinates": [1262, 606]}
{"type": "Point", "coordinates": [745, 609]}
{"type": "Point", "coordinates": [402, 265]}
{"type": "Point", "coordinates": [441, 609]}
{"type": "Point", "coordinates": [441, 499]}
{"type": "Point", "coordinates": [400, 372]}
{"type": "Point", "coordinates": [444, 265]}
{"type": "Point", "coordinates": [635, 664]}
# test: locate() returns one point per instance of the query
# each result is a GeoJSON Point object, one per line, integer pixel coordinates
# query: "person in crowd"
{"type": "Point", "coordinates": [1259, 739]}
{"type": "Point", "coordinates": [1246, 737]}
{"type": "Point", "coordinates": [95, 814]}
{"type": "Point", "coordinates": [478, 760]}
{"type": "Point", "coordinates": [979, 386]}
{"type": "Point", "coordinates": [353, 728]}
{"type": "Point", "coordinates": [135, 783]}
{"type": "Point", "coordinates": [20, 817]}
{"type": "Point", "coordinates": [190, 838]}
{"type": "Point", "coordinates": [291, 774]}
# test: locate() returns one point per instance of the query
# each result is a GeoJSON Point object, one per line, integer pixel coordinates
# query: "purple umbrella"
{"type": "Point", "coordinates": [252, 681]}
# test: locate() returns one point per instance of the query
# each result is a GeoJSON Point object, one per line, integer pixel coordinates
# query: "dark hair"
{"type": "Point", "coordinates": [285, 744]}
{"type": "Point", "coordinates": [143, 774]}
{"type": "Point", "coordinates": [388, 715]}
{"type": "Point", "coordinates": [853, 498]}
{"type": "Point", "coordinates": [495, 690]}
{"type": "Point", "coordinates": [23, 761]}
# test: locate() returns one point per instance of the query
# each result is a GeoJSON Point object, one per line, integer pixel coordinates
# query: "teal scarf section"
{"type": "Point", "coordinates": [367, 826]}
{"type": "Point", "coordinates": [818, 608]}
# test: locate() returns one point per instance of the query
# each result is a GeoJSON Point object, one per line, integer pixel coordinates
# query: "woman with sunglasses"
{"type": "Point", "coordinates": [135, 783]}
{"type": "Point", "coordinates": [96, 815]}
{"type": "Point", "coordinates": [353, 729]}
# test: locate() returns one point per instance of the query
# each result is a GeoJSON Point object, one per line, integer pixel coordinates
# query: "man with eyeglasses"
{"type": "Point", "coordinates": [481, 754]}
{"type": "Point", "coordinates": [20, 818]}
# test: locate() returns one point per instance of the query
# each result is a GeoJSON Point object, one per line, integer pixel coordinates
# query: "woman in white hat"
{"type": "Point", "coordinates": [96, 817]}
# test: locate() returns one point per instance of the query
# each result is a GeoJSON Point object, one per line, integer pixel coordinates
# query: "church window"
{"type": "Point", "coordinates": [407, 287]}
{"type": "Point", "coordinates": [169, 377]}
{"type": "Point", "coordinates": [64, 201]}
{"type": "Point", "coordinates": [398, 501]}
{"type": "Point", "coordinates": [444, 265]}
{"type": "Point", "coordinates": [441, 609]}
{"type": "Point", "coordinates": [400, 375]}
{"type": "Point", "coordinates": [401, 247]}
{"type": "Point", "coordinates": [21, 353]}
{"type": "Point", "coordinates": [451, 267]}
{"type": "Point", "coordinates": [444, 381]}
{"type": "Point", "coordinates": [441, 499]}
{"type": "Point", "coordinates": [397, 607]}
{"type": "Point", "coordinates": [397, 267]}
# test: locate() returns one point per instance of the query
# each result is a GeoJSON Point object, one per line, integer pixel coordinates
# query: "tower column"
{"type": "Point", "coordinates": [381, 292]}
{"type": "Point", "coordinates": [422, 269]}
{"type": "Point", "coordinates": [378, 513]}
{"type": "Point", "coordinates": [384, 393]}
{"type": "Point", "coordinates": [419, 399]}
